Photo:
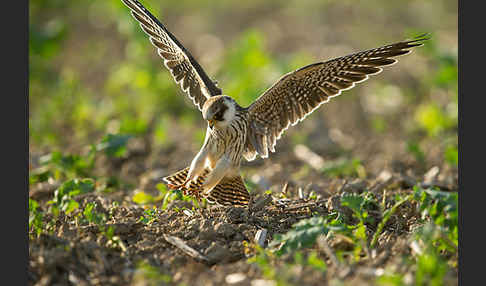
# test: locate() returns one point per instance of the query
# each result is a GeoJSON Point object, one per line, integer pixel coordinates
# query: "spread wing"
{"type": "Point", "coordinates": [183, 67]}
{"type": "Point", "coordinates": [299, 93]}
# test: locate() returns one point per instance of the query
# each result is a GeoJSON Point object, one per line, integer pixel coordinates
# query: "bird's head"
{"type": "Point", "coordinates": [219, 111]}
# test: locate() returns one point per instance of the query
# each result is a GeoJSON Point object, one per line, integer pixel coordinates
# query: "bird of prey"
{"type": "Point", "coordinates": [235, 132]}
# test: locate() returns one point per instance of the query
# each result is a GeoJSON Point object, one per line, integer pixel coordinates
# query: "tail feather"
{"type": "Point", "coordinates": [229, 191]}
{"type": "Point", "coordinates": [177, 178]}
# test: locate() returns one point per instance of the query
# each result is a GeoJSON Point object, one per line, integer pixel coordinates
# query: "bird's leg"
{"type": "Point", "coordinates": [222, 167]}
{"type": "Point", "coordinates": [197, 166]}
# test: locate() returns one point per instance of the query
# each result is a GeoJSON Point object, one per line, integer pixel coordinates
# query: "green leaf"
{"type": "Point", "coordinates": [39, 175]}
{"type": "Point", "coordinates": [70, 206]}
{"type": "Point", "coordinates": [303, 234]}
{"type": "Point", "coordinates": [68, 190]}
{"type": "Point", "coordinates": [33, 205]}
{"type": "Point", "coordinates": [110, 232]}
{"type": "Point", "coordinates": [35, 217]}
{"type": "Point", "coordinates": [73, 188]}
{"type": "Point", "coordinates": [353, 201]}
{"type": "Point", "coordinates": [315, 262]}
{"type": "Point", "coordinates": [433, 119]}
{"type": "Point", "coordinates": [114, 145]}
{"type": "Point", "coordinates": [451, 155]}
{"type": "Point", "coordinates": [91, 215]}
{"type": "Point", "coordinates": [344, 167]}
{"type": "Point", "coordinates": [414, 149]}
{"type": "Point", "coordinates": [142, 198]}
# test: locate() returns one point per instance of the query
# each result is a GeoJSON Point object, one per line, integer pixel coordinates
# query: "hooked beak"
{"type": "Point", "coordinates": [211, 123]}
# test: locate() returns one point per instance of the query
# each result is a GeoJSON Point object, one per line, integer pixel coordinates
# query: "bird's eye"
{"type": "Point", "coordinates": [219, 115]}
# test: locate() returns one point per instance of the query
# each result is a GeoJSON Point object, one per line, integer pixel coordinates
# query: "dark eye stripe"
{"type": "Point", "coordinates": [219, 116]}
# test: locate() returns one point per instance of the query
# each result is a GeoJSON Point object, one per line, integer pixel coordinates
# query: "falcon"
{"type": "Point", "coordinates": [235, 132]}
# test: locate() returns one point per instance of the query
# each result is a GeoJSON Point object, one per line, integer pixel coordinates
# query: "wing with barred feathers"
{"type": "Point", "coordinates": [299, 93]}
{"type": "Point", "coordinates": [185, 70]}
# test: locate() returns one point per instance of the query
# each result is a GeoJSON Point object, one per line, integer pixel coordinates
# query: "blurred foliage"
{"type": "Point", "coordinates": [35, 217]}
{"type": "Point", "coordinates": [303, 235]}
{"type": "Point", "coordinates": [64, 166]}
{"type": "Point", "coordinates": [64, 196]}
{"type": "Point", "coordinates": [164, 197]}
{"type": "Point", "coordinates": [114, 145]}
{"type": "Point", "coordinates": [95, 73]}
{"type": "Point", "coordinates": [344, 167]}
{"type": "Point", "coordinates": [146, 274]}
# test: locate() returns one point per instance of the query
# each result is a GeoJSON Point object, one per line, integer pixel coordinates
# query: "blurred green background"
{"type": "Point", "coordinates": [92, 72]}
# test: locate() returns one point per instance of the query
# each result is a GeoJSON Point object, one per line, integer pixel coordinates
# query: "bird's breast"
{"type": "Point", "coordinates": [229, 140]}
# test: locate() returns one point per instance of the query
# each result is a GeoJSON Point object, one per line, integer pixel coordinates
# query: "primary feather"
{"type": "Point", "coordinates": [185, 70]}
{"type": "Point", "coordinates": [299, 93]}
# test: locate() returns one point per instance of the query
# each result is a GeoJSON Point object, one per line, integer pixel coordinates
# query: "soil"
{"type": "Point", "coordinates": [220, 237]}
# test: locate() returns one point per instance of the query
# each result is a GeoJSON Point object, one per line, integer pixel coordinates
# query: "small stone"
{"type": "Point", "coordinates": [238, 237]}
{"type": "Point", "coordinates": [431, 175]}
{"type": "Point", "coordinates": [237, 215]}
{"type": "Point", "coordinates": [260, 237]}
{"type": "Point", "coordinates": [194, 224]}
{"type": "Point", "coordinates": [235, 278]}
{"type": "Point", "coordinates": [356, 186]}
{"type": "Point", "coordinates": [207, 231]}
{"type": "Point", "coordinates": [225, 229]}
{"type": "Point", "coordinates": [262, 282]}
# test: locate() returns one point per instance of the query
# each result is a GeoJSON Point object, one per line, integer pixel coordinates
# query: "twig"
{"type": "Point", "coordinates": [322, 243]}
{"type": "Point", "coordinates": [343, 270]}
{"type": "Point", "coordinates": [301, 194]}
{"type": "Point", "coordinates": [385, 219]}
{"type": "Point", "coordinates": [179, 243]}
{"type": "Point", "coordinates": [345, 183]}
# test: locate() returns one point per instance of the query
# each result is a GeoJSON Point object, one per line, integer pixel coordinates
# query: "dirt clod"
{"type": "Point", "coordinates": [218, 253]}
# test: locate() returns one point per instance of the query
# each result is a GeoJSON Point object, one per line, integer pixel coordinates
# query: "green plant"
{"type": "Point", "coordinates": [35, 217]}
{"type": "Point", "coordinates": [435, 243]}
{"type": "Point", "coordinates": [90, 215]}
{"type": "Point", "coordinates": [66, 165]}
{"type": "Point", "coordinates": [150, 275]}
{"type": "Point", "coordinates": [433, 119]}
{"type": "Point", "coordinates": [451, 155]}
{"type": "Point", "coordinates": [64, 196]}
{"type": "Point", "coordinates": [149, 215]}
{"type": "Point", "coordinates": [439, 209]}
{"type": "Point", "coordinates": [302, 235]}
{"type": "Point", "coordinates": [359, 204]}
{"type": "Point", "coordinates": [39, 175]}
{"type": "Point", "coordinates": [344, 168]}
{"type": "Point", "coordinates": [141, 197]}
{"type": "Point", "coordinates": [61, 166]}
{"type": "Point", "coordinates": [414, 148]}
{"type": "Point", "coordinates": [114, 145]}
{"type": "Point", "coordinates": [278, 270]}
{"type": "Point", "coordinates": [166, 196]}
{"type": "Point", "coordinates": [317, 263]}
{"type": "Point", "coordinates": [386, 216]}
